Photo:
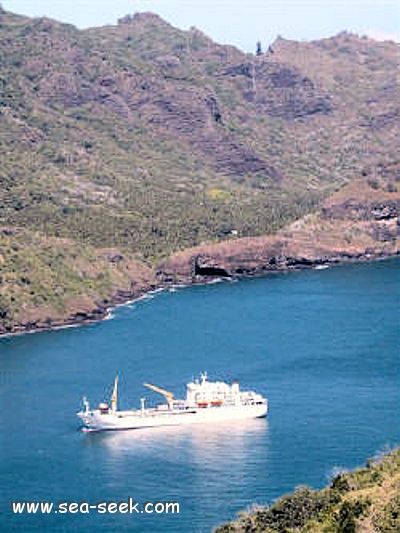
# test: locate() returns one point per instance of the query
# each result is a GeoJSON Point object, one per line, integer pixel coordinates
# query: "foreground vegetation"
{"type": "Point", "coordinates": [366, 500]}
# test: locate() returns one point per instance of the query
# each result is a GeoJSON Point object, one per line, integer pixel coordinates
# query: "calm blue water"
{"type": "Point", "coordinates": [323, 346]}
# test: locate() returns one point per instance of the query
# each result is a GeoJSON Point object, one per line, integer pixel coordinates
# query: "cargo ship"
{"type": "Point", "coordinates": [206, 402]}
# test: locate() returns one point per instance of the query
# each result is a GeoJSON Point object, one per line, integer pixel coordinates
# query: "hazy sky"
{"type": "Point", "coordinates": [238, 22]}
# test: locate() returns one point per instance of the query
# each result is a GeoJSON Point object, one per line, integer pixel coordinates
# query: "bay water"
{"type": "Point", "coordinates": [323, 346]}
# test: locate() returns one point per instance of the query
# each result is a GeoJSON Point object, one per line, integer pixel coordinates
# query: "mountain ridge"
{"type": "Point", "coordinates": [148, 140]}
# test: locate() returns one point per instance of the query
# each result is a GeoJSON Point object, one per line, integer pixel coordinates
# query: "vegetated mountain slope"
{"type": "Point", "coordinates": [363, 501]}
{"type": "Point", "coordinates": [145, 139]}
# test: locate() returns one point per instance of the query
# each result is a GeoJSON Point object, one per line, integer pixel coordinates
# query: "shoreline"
{"type": "Point", "coordinates": [103, 313]}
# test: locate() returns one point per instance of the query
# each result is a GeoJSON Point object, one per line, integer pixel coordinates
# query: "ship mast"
{"type": "Point", "coordinates": [203, 376]}
{"type": "Point", "coordinates": [114, 396]}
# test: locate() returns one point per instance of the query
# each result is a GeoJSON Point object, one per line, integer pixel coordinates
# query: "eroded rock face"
{"type": "Point", "coordinates": [196, 118]}
{"type": "Point", "coordinates": [172, 110]}
{"type": "Point", "coordinates": [355, 210]}
{"type": "Point", "coordinates": [280, 90]}
{"type": "Point", "coordinates": [206, 267]}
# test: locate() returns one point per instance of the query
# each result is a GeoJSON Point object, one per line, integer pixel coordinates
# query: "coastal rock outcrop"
{"type": "Point", "coordinates": [359, 222]}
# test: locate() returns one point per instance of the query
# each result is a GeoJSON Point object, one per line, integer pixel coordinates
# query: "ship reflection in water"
{"type": "Point", "coordinates": [193, 462]}
{"type": "Point", "coordinates": [225, 437]}
{"type": "Point", "coordinates": [215, 440]}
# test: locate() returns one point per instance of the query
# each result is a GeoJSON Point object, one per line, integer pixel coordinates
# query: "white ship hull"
{"type": "Point", "coordinates": [96, 421]}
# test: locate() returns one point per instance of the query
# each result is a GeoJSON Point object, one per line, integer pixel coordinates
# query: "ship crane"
{"type": "Point", "coordinates": [167, 395]}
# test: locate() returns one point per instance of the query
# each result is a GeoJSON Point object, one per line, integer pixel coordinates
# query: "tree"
{"type": "Point", "coordinates": [258, 49]}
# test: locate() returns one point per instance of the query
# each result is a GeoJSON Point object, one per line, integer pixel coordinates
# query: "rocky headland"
{"type": "Point", "coordinates": [358, 223]}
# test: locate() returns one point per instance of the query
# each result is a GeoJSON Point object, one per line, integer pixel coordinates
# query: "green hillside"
{"type": "Point", "coordinates": [364, 501]}
{"type": "Point", "coordinates": [147, 140]}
